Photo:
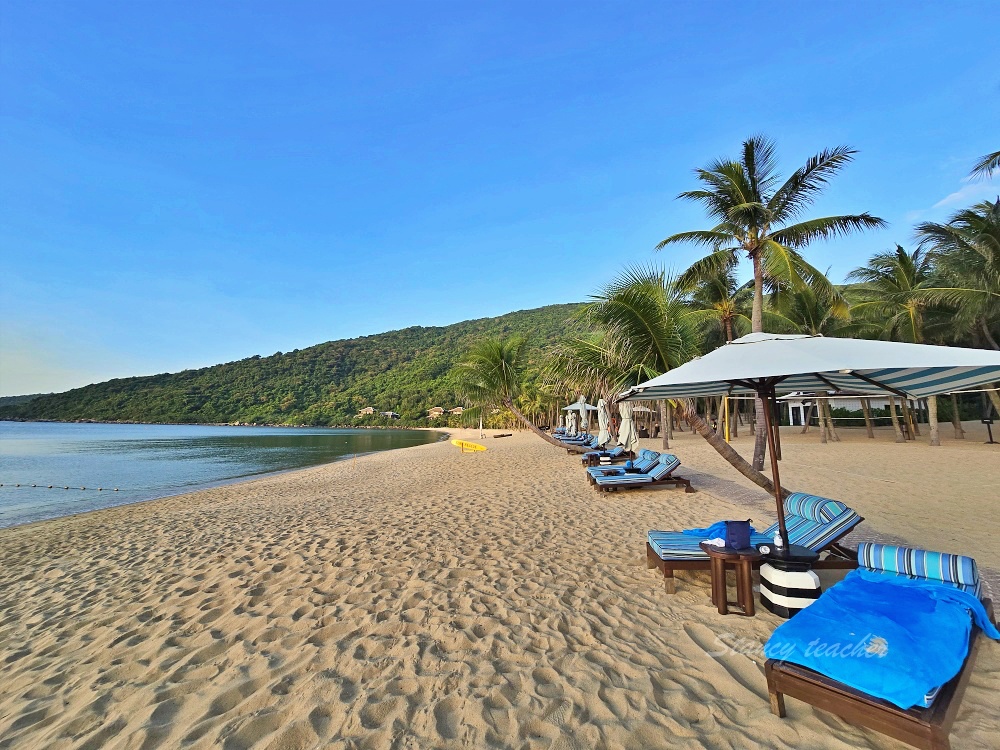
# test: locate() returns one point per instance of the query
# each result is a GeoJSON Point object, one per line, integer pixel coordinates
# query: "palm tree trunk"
{"type": "Point", "coordinates": [821, 415]}
{"type": "Point", "coordinates": [542, 434]}
{"type": "Point", "coordinates": [994, 398]}
{"type": "Point", "coordinates": [829, 420]}
{"type": "Point", "coordinates": [663, 424]}
{"type": "Point", "coordinates": [915, 417]}
{"type": "Point", "coordinates": [987, 335]}
{"type": "Point", "coordinates": [932, 420]}
{"type": "Point", "coordinates": [670, 420]}
{"type": "Point", "coordinates": [956, 419]}
{"type": "Point", "coordinates": [808, 419]}
{"type": "Point", "coordinates": [911, 426]}
{"type": "Point", "coordinates": [866, 409]}
{"type": "Point", "coordinates": [727, 452]}
{"type": "Point", "coordinates": [900, 437]}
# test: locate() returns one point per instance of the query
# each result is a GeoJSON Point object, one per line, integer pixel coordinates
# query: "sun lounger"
{"type": "Point", "coordinates": [814, 522]}
{"type": "Point", "coordinates": [645, 461]}
{"type": "Point", "coordinates": [926, 578]}
{"type": "Point", "coordinates": [659, 474]}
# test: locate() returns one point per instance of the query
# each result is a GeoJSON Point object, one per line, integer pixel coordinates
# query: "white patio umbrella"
{"type": "Point", "coordinates": [603, 422]}
{"type": "Point", "coordinates": [562, 420]}
{"type": "Point", "coordinates": [768, 364]}
{"type": "Point", "coordinates": [583, 406]}
{"type": "Point", "coordinates": [627, 436]}
{"type": "Point", "coordinates": [571, 417]}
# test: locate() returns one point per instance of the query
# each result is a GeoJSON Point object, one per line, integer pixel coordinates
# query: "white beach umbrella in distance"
{"type": "Point", "coordinates": [768, 364]}
{"type": "Point", "coordinates": [581, 404]}
{"type": "Point", "coordinates": [627, 436]}
{"type": "Point", "coordinates": [562, 420]}
{"type": "Point", "coordinates": [572, 422]}
{"type": "Point", "coordinates": [603, 422]}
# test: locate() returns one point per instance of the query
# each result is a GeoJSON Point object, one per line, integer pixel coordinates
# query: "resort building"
{"type": "Point", "coordinates": [366, 412]}
{"type": "Point", "coordinates": [456, 410]}
{"type": "Point", "coordinates": [434, 412]}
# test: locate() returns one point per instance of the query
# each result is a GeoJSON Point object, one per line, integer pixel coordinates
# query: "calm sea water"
{"type": "Point", "coordinates": [150, 461]}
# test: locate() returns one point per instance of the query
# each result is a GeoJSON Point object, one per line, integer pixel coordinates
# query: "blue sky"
{"type": "Point", "coordinates": [190, 183]}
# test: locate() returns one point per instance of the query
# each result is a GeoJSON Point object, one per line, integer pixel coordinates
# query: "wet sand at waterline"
{"type": "Point", "coordinates": [422, 598]}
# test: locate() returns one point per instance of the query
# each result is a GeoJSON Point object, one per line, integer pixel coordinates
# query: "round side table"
{"type": "Point", "coordinates": [742, 563]}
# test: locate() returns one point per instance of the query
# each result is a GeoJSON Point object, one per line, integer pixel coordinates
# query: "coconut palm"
{"type": "Point", "coordinates": [644, 331]}
{"type": "Point", "coordinates": [966, 251]}
{"type": "Point", "coordinates": [491, 376]}
{"type": "Point", "coordinates": [987, 165]}
{"type": "Point", "coordinates": [822, 312]}
{"type": "Point", "coordinates": [760, 218]}
{"type": "Point", "coordinates": [890, 303]}
{"type": "Point", "coordinates": [721, 307]}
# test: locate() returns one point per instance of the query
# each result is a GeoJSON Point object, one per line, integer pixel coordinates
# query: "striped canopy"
{"type": "Point", "coordinates": [759, 362]}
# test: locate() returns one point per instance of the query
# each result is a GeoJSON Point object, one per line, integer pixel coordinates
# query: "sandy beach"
{"type": "Point", "coordinates": [424, 598]}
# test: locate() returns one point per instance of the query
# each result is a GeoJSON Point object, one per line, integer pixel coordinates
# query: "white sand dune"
{"type": "Point", "coordinates": [428, 599]}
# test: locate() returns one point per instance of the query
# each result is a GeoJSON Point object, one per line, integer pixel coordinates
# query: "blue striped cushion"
{"type": "Point", "coordinates": [958, 570]}
{"type": "Point", "coordinates": [677, 546]}
{"type": "Point", "coordinates": [813, 507]}
{"type": "Point", "coordinates": [667, 463]}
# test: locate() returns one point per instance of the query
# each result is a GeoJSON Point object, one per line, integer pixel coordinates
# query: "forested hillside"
{"type": "Point", "coordinates": [406, 371]}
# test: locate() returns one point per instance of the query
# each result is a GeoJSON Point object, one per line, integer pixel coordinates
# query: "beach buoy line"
{"type": "Point", "coordinates": [57, 487]}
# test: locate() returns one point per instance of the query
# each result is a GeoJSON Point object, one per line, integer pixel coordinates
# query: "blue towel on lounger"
{"type": "Point", "coordinates": [716, 531]}
{"type": "Point", "coordinates": [894, 638]}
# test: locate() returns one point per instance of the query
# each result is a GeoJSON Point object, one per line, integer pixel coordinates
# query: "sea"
{"type": "Point", "coordinates": [49, 469]}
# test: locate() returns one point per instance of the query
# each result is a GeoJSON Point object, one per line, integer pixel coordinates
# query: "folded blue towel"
{"type": "Point", "coordinates": [894, 638]}
{"type": "Point", "coordinates": [715, 531]}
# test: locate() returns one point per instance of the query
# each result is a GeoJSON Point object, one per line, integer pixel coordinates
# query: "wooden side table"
{"type": "Point", "coordinates": [742, 563]}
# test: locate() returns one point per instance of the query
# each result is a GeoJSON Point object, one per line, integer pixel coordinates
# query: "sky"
{"type": "Point", "coordinates": [188, 183]}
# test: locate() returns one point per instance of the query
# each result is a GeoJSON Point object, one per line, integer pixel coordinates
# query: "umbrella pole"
{"type": "Point", "coordinates": [769, 429]}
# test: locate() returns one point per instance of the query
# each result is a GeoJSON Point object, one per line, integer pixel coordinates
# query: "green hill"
{"type": "Point", "coordinates": [406, 371]}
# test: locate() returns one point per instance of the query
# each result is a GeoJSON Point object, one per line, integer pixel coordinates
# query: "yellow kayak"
{"type": "Point", "coordinates": [468, 447]}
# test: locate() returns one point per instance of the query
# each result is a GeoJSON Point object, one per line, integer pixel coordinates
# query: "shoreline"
{"type": "Point", "coordinates": [419, 598]}
{"type": "Point", "coordinates": [206, 486]}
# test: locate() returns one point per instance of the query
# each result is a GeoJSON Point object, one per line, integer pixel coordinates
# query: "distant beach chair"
{"type": "Point", "coordinates": [644, 461]}
{"type": "Point", "coordinates": [814, 522]}
{"type": "Point", "coordinates": [661, 473]}
{"type": "Point", "coordinates": [927, 723]}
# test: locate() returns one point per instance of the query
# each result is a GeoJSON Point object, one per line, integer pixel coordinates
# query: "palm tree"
{"type": "Point", "coordinates": [721, 307]}
{"type": "Point", "coordinates": [644, 331]}
{"type": "Point", "coordinates": [491, 377]}
{"type": "Point", "coordinates": [987, 165]}
{"type": "Point", "coordinates": [759, 217]}
{"type": "Point", "coordinates": [890, 302]}
{"type": "Point", "coordinates": [816, 312]}
{"type": "Point", "coordinates": [966, 251]}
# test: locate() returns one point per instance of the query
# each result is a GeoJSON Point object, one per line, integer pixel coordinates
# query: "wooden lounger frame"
{"type": "Point", "coordinates": [839, 558]}
{"type": "Point", "coordinates": [669, 479]}
{"type": "Point", "coordinates": [926, 728]}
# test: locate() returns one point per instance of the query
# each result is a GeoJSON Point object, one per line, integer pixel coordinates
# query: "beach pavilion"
{"type": "Point", "coordinates": [769, 364]}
